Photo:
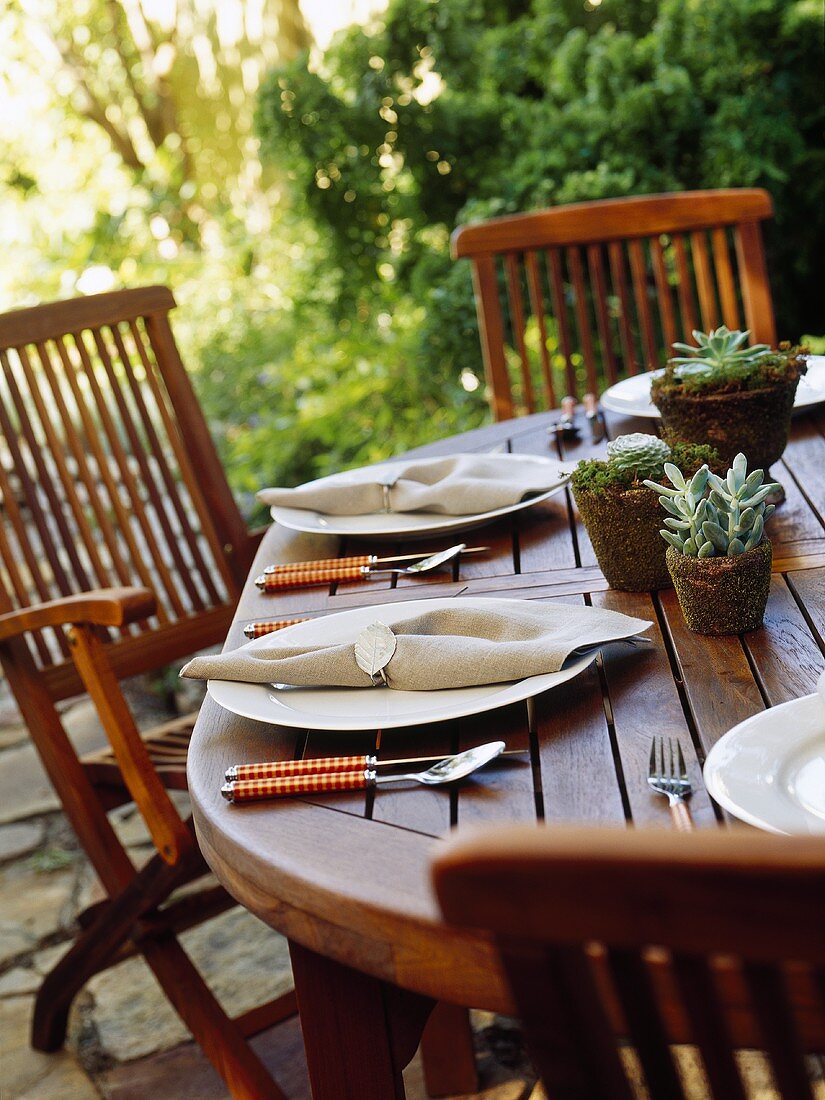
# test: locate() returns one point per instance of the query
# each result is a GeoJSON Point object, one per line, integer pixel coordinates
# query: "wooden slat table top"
{"type": "Point", "coordinates": [347, 875]}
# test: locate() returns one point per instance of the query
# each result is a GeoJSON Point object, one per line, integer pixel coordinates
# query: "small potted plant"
{"type": "Point", "coordinates": [735, 398]}
{"type": "Point", "coordinates": [622, 516]}
{"type": "Point", "coordinates": [717, 554]}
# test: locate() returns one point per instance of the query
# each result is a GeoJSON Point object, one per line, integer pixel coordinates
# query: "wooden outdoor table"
{"type": "Point", "coordinates": [346, 876]}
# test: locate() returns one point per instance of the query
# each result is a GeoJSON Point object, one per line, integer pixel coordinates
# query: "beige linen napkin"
{"type": "Point", "coordinates": [455, 486]}
{"type": "Point", "coordinates": [444, 648]}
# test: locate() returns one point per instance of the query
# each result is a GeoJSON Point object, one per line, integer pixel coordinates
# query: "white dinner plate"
{"type": "Point", "coordinates": [631, 396]}
{"type": "Point", "coordinates": [377, 708]}
{"type": "Point", "coordinates": [770, 769]}
{"type": "Point", "coordinates": [411, 525]}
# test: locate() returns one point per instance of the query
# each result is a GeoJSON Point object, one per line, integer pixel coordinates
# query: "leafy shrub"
{"type": "Point", "coordinates": [439, 114]}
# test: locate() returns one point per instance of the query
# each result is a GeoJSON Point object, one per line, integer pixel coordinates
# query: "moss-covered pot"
{"type": "Point", "coordinates": [722, 595]}
{"type": "Point", "coordinates": [624, 526]}
{"type": "Point", "coordinates": [756, 422]}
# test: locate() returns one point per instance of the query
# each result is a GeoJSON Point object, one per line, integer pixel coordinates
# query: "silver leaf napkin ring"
{"type": "Point", "coordinates": [374, 647]}
{"type": "Point", "coordinates": [386, 485]}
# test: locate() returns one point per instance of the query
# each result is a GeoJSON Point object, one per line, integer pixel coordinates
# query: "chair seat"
{"type": "Point", "coordinates": [168, 746]}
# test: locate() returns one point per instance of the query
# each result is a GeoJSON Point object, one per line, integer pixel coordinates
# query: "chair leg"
{"type": "Point", "coordinates": [218, 1036]}
{"type": "Point", "coordinates": [94, 948]}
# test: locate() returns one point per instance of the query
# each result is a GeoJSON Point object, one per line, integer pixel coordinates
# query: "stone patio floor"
{"type": "Point", "coordinates": [125, 1041]}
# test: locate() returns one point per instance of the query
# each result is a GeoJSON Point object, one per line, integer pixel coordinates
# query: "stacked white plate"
{"type": "Point", "coordinates": [770, 769]}
{"type": "Point", "coordinates": [341, 709]}
{"type": "Point", "coordinates": [412, 525]}
{"type": "Point", "coordinates": [631, 396]}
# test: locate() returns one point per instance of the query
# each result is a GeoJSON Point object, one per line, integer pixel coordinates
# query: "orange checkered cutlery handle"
{"type": "Point", "coordinates": [258, 630]}
{"type": "Point", "coordinates": [312, 765]}
{"type": "Point", "coordinates": [276, 582]}
{"type": "Point", "coordinates": [286, 786]}
{"type": "Point", "coordinates": [321, 563]}
{"type": "Point", "coordinates": [271, 769]}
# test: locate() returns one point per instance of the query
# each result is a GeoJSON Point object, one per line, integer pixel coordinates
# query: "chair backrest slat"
{"type": "Point", "coordinates": [574, 266]}
{"type": "Point", "coordinates": [109, 476]}
{"type": "Point", "coordinates": [646, 1028]}
{"type": "Point", "coordinates": [657, 246]}
{"type": "Point", "coordinates": [664, 291]}
{"type": "Point", "coordinates": [708, 1024]}
{"type": "Point", "coordinates": [85, 475]}
{"type": "Point", "coordinates": [595, 264]}
{"type": "Point", "coordinates": [60, 490]}
{"type": "Point", "coordinates": [753, 274]}
{"type": "Point", "coordinates": [780, 1035]}
{"type": "Point", "coordinates": [537, 306]}
{"type": "Point", "coordinates": [704, 280]}
{"type": "Point", "coordinates": [128, 561]}
{"type": "Point", "coordinates": [687, 302]}
{"type": "Point", "coordinates": [618, 275]}
{"type": "Point", "coordinates": [724, 277]}
{"type": "Point", "coordinates": [554, 267]}
{"type": "Point", "coordinates": [11, 561]}
{"type": "Point", "coordinates": [124, 467]}
{"type": "Point", "coordinates": [164, 493]}
{"type": "Point", "coordinates": [514, 298]}
{"type": "Point", "coordinates": [567, 1028]}
{"type": "Point", "coordinates": [185, 471]}
{"type": "Point", "coordinates": [638, 271]}
{"type": "Point", "coordinates": [48, 513]}
{"type": "Point", "coordinates": [223, 526]}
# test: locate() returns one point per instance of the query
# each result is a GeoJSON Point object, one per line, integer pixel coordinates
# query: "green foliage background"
{"type": "Point", "coordinates": [547, 102]}
{"type": "Point", "coordinates": [320, 312]}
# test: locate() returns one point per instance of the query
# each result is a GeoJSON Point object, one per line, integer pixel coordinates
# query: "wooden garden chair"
{"type": "Point", "coordinates": [711, 939]}
{"type": "Point", "coordinates": [577, 296]}
{"type": "Point", "coordinates": [122, 550]}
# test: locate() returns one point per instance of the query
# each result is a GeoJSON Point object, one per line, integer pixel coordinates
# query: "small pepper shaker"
{"type": "Point", "coordinates": [595, 417]}
{"type": "Point", "coordinates": [565, 426]}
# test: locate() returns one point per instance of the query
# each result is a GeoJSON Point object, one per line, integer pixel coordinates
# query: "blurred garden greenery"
{"type": "Point", "coordinates": [299, 201]}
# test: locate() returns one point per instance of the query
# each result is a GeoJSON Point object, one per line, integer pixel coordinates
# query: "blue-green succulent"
{"type": "Point", "coordinates": [712, 516]}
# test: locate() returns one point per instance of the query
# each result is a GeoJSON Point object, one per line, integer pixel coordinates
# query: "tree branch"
{"type": "Point", "coordinates": [96, 112]}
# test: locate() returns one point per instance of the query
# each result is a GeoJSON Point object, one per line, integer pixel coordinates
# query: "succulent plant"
{"type": "Point", "coordinates": [726, 522]}
{"type": "Point", "coordinates": [718, 351]}
{"type": "Point", "coordinates": [642, 454]}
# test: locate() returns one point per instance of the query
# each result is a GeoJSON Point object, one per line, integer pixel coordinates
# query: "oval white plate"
{"type": "Point", "coordinates": [376, 708]}
{"type": "Point", "coordinates": [631, 396]}
{"type": "Point", "coordinates": [770, 769]}
{"type": "Point", "coordinates": [409, 525]}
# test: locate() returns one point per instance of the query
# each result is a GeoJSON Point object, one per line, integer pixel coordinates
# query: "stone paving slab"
{"type": "Point", "coordinates": [243, 961]}
{"type": "Point", "coordinates": [33, 905]}
{"type": "Point", "coordinates": [26, 1074]}
{"type": "Point", "coordinates": [185, 1074]}
{"type": "Point", "coordinates": [25, 789]}
{"type": "Point", "coordinates": [19, 838]}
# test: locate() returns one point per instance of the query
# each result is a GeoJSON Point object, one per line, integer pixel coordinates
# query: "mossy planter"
{"type": "Point", "coordinates": [756, 422]}
{"type": "Point", "coordinates": [722, 595]}
{"type": "Point", "coordinates": [624, 526]}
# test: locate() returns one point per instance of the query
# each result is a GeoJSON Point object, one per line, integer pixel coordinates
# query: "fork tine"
{"type": "Point", "coordinates": [651, 771]}
{"type": "Point", "coordinates": [682, 765]}
{"type": "Point", "coordinates": [669, 771]}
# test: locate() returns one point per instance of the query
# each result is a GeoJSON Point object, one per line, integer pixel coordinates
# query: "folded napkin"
{"type": "Point", "coordinates": [455, 486]}
{"type": "Point", "coordinates": [444, 648]}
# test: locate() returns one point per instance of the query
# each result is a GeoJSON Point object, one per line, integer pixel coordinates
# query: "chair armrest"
{"type": "Point", "coordinates": [101, 607]}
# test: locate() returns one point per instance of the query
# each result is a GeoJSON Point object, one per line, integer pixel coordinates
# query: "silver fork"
{"type": "Point", "coordinates": [667, 775]}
